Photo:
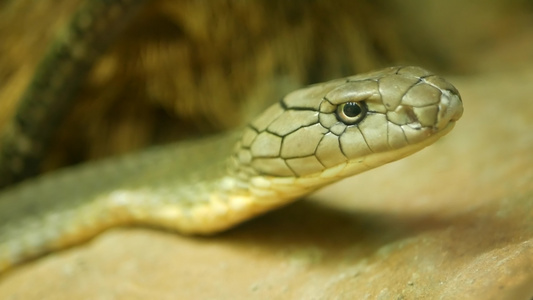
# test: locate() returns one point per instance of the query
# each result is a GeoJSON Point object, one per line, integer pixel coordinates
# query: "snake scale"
{"type": "Point", "coordinates": [312, 137]}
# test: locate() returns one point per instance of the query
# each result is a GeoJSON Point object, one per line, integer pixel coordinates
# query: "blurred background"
{"type": "Point", "coordinates": [453, 220]}
{"type": "Point", "coordinates": [186, 68]}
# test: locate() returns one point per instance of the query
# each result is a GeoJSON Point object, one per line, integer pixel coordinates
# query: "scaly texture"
{"type": "Point", "coordinates": [312, 137]}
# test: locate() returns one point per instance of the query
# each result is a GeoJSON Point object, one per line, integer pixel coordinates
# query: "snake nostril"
{"type": "Point", "coordinates": [403, 115]}
{"type": "Point", "coordinates": [450, 109]}
{"type": "Point", "coordinates": [411, 115]}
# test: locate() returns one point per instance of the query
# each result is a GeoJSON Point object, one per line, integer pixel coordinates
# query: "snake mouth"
{"type": "Point", "coordinates": [440, 132]}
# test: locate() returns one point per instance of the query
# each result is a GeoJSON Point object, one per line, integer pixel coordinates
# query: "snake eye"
{"type": "Point", "coordinates": [351, 113]}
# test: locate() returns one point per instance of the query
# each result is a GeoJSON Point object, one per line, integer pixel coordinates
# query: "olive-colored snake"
{"type": "Point", "coordinates": [312, 137]}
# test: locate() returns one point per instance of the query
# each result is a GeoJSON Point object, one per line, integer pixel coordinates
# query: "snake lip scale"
{"type": "Point", "coordinates": [314, 136]}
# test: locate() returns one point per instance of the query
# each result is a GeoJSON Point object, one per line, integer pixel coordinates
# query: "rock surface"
{"type": "Point", "coordinates": [453, 221]}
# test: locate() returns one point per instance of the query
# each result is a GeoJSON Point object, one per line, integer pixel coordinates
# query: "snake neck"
{"type": "Point", "coordinates": [246, 183]}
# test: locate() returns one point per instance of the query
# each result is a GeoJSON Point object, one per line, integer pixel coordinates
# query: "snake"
{"type": "Point", "coordinates": [312, 137]}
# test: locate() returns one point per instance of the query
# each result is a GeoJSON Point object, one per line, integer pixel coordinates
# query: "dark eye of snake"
{"type": "Point", "coordinates": [351, 113]}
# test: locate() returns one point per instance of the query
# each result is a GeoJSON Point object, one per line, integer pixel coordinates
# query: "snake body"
{"type": "Point", "coordinates": [312, 137]}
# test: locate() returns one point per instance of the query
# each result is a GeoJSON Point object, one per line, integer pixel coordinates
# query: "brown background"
{"type": "Point", "coordinates": [453, 221]}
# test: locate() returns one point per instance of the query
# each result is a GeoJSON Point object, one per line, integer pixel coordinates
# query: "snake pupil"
{"type": "Point", "coordinates": [351, 109]}
{"type": "Point", "coordinates": [351, 113]}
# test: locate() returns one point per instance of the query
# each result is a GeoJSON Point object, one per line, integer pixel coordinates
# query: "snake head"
{"type": "Point", "coordinates": [346, 126]}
